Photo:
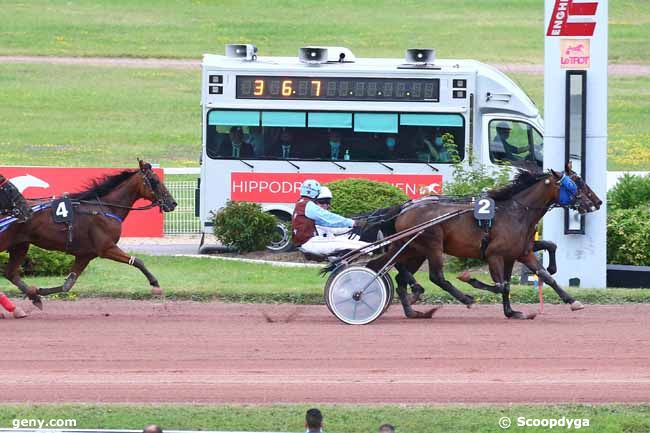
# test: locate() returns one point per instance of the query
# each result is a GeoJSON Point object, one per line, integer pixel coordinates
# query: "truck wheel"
{"type": "Point", "coordinates": [281, 242]}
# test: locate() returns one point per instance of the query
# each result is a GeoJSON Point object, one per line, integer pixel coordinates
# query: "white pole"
{"type": "Point", "coordinates": [582, 256]}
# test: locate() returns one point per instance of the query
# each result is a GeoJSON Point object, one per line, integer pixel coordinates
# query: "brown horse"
{"type": "Point", "coordinates": [14, 210]}
{"type": "Point", "coordinates": [95, 230]}
{"type": "Point", "coordinates": [519, 207]}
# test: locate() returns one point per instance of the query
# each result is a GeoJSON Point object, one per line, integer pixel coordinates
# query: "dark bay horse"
{"type": "Point", "coordinates": [14, 210]}
{"type": "Point", "coordinates": [519, 207]}
{"type": "Point", "coordinates": [95, 230]}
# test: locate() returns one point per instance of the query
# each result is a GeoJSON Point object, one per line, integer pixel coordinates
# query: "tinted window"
{"type": "Point", "coordinates": [335, 136]}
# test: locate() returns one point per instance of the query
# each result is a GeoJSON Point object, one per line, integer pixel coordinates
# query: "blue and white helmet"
{"type": "Point", "coordinates": [310, 188]}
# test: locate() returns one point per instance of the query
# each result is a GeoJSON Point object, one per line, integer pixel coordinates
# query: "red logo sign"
{"type": "Point", "coordinates": [38, 182]}
{"type": "Point", "coordinates": [285, 187]}
{"type": "Point", "coordinates": [559, 24]}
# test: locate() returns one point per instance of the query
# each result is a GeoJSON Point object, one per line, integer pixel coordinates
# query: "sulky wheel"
{"type": "Point", "coordinates": [390, 290]}
{"type": "Point", "coordinates": [356, 295]}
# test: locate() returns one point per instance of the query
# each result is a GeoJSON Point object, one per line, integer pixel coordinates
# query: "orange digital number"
{"type": "Point", "coordinates": [316, 87]}
{"type": "Point", "coordinates": [259, 88]}
{"type": "Point", "coordinates": [286, 88]}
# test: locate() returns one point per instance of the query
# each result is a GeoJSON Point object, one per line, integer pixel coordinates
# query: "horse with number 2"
{"type": "Point", "coordinates": [86, 225]}
{"type": "Point", "coordinates": [497, 227]}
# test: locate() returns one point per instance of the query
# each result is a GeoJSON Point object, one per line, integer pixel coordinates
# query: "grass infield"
{"type": "Point", "coordinates": [102, 116]}
{"type": "Point", "coordinates": [203, 279]}
{"type": "Point", "coordinates": [488, 30]}
{"type": "Point", "coordinates": [339, 418]}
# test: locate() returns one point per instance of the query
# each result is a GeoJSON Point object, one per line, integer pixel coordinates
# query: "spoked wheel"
{"type": "Point", "coordinates": [390, 290]}
{"type": "Point", "coordinates": [356, 295]}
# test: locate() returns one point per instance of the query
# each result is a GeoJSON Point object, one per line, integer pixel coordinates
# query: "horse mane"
{"type": "Point", "coordinates": [103, 185]}
{"type": "Point", "coordinates": [523, 180]}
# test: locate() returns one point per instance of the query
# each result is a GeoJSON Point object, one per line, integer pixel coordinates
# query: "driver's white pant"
{"type": "Point", "coordinates": [328, 242]}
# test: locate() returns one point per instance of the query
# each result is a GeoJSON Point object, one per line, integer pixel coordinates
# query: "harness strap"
{"type": "Point", "coordinates": [4, 182]}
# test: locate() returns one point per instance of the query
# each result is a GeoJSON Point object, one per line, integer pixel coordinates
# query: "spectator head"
{"type": "Point", "coordinates": [386, 428]}
{"type": "Point", "coordinates": [314, 420]}
{"type": "Point", "coordinates": [152, 428]}
{"type": "Point", "coordinates": [391, 142]}
{"type": "Point", "coordinates": [503, 129]}
{"type": "Point", "coordinates": [236, 134]}
{"type": "Point", "coordinates": [335, 136]}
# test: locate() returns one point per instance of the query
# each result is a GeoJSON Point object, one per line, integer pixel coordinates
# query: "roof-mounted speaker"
{"type": "Point", "coordinates": [421, 56]}
{"type": "Point", "coordinates": [242, 51]}
{"type": "Point", "coordinates": [316, 55]}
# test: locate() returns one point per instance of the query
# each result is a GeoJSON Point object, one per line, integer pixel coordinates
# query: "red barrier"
{"type": "Point", "coordinates": [49, 181]}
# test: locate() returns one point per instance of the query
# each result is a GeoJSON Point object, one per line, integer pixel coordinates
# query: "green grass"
{"type": "Point", "coordinates": [489, 30]}
{"type": "Point", "coordinates": [205, 279]}
{"type": "Point", "coordinates": [339, 418]}
{"type": "Point", "coordinates": [95, 116]}
{"type": "Point", "coordinates": [99, 116]}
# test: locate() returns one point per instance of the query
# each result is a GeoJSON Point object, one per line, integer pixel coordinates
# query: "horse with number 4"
{"type": "Point", "coordinates": [428, 228]}
{"type": "Point", "coordinates": [87, 225]}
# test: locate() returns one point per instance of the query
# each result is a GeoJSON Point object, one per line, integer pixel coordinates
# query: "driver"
{"type": "Point", "coordinates": [501, 148]}
{"type": "Point", "coordinates": [318, 231]}
{"type": "Point", "coordinates": [12, 201]}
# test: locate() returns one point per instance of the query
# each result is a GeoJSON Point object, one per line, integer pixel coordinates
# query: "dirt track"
{"type": "Point", "coordinates": [125, 351]}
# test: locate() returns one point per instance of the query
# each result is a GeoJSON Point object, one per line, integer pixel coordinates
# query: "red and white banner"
{"type": "Point", "coordinates": [572, 18]}
{"type": "Point", "coordinates": [285, 187]}
{"type": "Point", "coordinates": [37, 182]}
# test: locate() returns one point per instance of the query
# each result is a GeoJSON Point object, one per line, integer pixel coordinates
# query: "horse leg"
{"type": "Point", "coordinates": [78, 267]}
{"type": "Point", "coordinates": [477, 284]}
{"type": "Point", "coordinates": [17, 254]}
{"type": "Point", "coordinates": [116, 254]}
{"type": "Point", "coordinates": [533, 264]}
{"type": "Point", "coordinates": [499, 268]}
{"type": "Point", "coordinates": [437, 277]}
{"type": "Point", "coordinates": [551, 248]}
{"type": "Point", "coordinates": [405, 272]}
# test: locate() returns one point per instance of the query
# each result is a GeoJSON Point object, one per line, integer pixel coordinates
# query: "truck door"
{"type": "Point", "coordinates": [512, 140]}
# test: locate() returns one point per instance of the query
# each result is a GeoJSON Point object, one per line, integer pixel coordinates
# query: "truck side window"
{"type": "Point", "coordinates": [516, 143]}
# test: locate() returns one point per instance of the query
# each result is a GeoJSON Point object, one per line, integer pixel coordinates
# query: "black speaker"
{"type": "Point", "coordinates": [420, 55]}
{"type": "Point", "coordinates": [313, 55]}
{"type": "Point", "coordinates": [242, 51]}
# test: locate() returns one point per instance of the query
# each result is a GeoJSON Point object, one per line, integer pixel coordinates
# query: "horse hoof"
{"type": "Point", "coordinates": [518, 315]}
{"type": "Point", "coordinates": [19, 313]}
{"type": "Point", "coordinates": [413, 314]}
{"type": "Point", "coordinates": [464, 276]}
{"type": "Point", "coordinates": [38, 303]}
{"type": "Point", "coordinates": [429, 314]}
{"type": "Point", "coordinates": [156, 291]}
{"type": "Point", "coordinates": [577, 306]}
{"type": "Point", "coordinates": [469, 301]}
{"type": "Point", "coordinates": [551, 270]}
{"type": "Point", "coordinates": [31, 292]}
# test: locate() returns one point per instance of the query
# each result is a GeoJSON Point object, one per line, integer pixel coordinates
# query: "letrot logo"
{"type": "Point", "coordinates": [571, 18]}
{"type": "Point", "coordinates": [574, 54]}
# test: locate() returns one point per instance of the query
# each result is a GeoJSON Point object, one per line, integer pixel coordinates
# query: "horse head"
{"type": "Point", "coordinates": [592, 202]}
{"type": "Point", "coordinates": [573, 193]}
{"type": "Point", "coordinates": [12, 201]}
{"type": "Point", "coordinates": [153, 189]}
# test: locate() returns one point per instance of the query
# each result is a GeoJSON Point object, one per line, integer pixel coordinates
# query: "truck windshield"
{"type": "Point", "coordinates": [332, 136]}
